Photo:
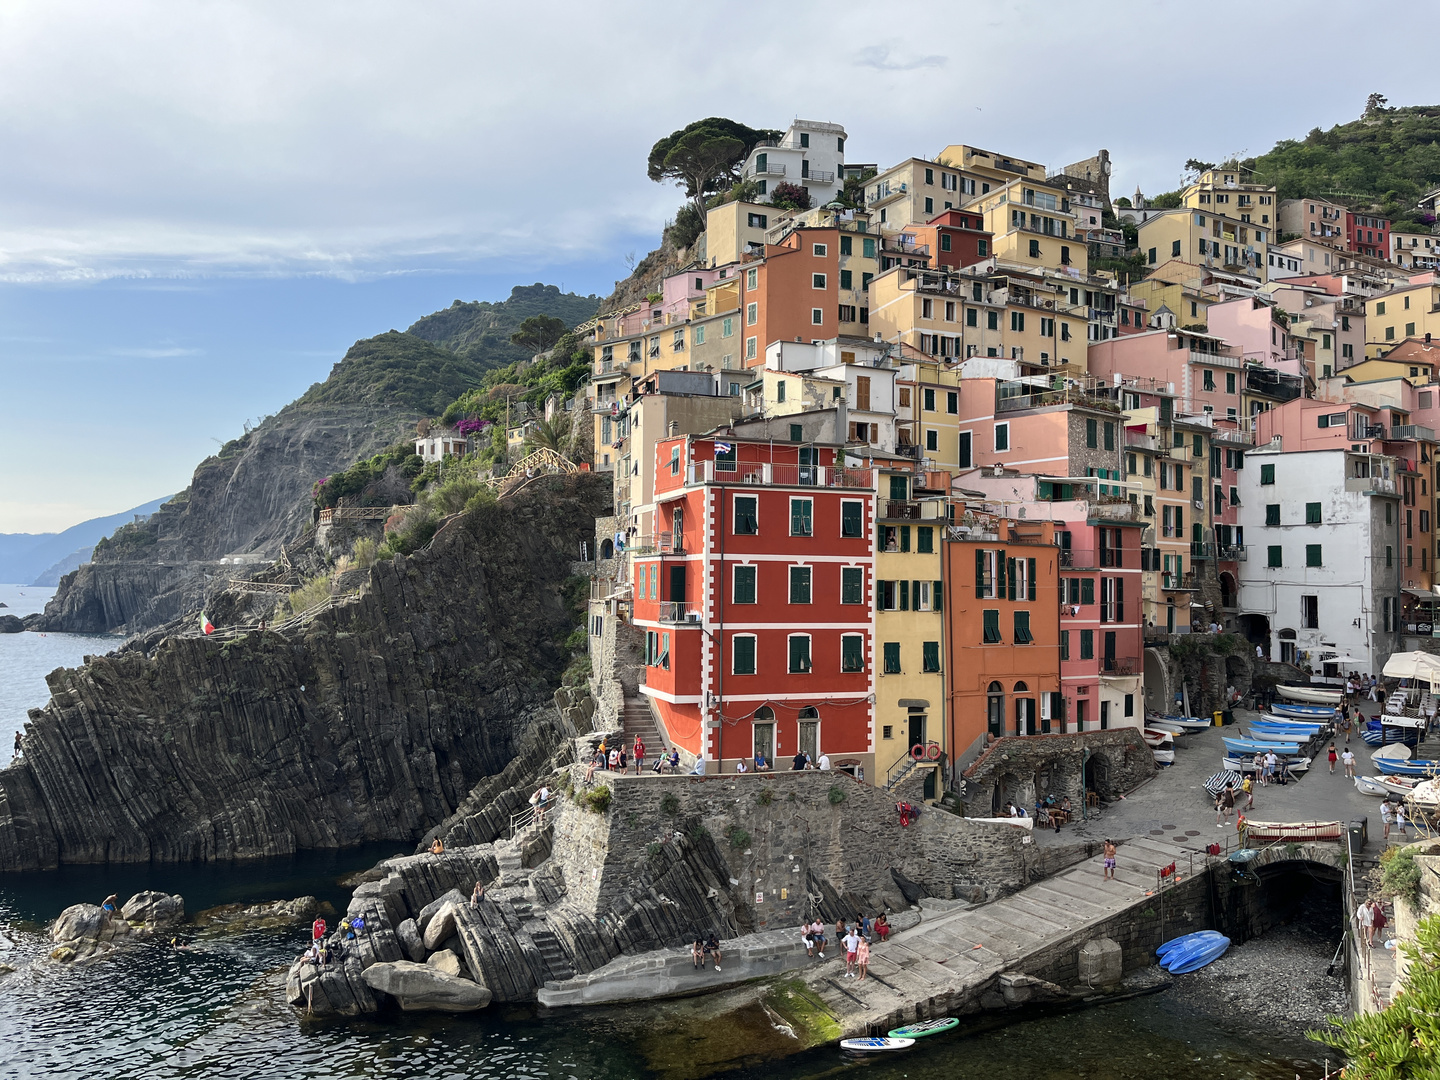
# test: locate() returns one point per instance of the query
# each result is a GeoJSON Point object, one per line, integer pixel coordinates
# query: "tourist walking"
{"type": "Point", "coordinates": [1378, 921]}
{"type": "Point", "coordinates": [1400, 820]}
{"type": "Point", "coordinates": [1387, 818]}
{"type": "Point", "coordinates": [1365, 923]}
{"type": "Point", "coordinates": [1334, 757]}
{"type": "Point", "coordinates": [1348, 757]}
{"type": "Point", "coordinates": [1109, 861]}
{"type": "Point", "coordinates": [1248, 787]}
{"type": "Point", "coordinates": [852, 946]}
{"type": "Point", "coordinates": [539, 801]}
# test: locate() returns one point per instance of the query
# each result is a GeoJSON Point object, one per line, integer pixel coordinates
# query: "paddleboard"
{"type": "Point", "coordinates": [1195, 956]}
{"type": "Point", "coordinates": [1187, 941]}
{"type": "Point", "coordinates": [876, 1043]}
{"type": "Point", "coordinates": [925, 1027]}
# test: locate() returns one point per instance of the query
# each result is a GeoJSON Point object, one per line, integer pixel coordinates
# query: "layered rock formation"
{"type": "Point", "coordinates": [88, 931]}
{"type": "Point", "coordinates": [371, 720]}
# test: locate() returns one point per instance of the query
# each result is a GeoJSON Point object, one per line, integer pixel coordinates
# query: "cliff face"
{"type": "Point", "coordinates": [371, 719]}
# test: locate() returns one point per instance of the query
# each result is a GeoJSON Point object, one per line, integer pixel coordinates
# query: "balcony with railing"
{"type": "Point", "coordinates": [1141, 441]}
{"type": "Point", "coordinates": [765, 474]}
{"type": "Point", "coordinates": [1068, 395]}
{"type": "Point", "coordinates": [903, 244]}
{"type": "Point", "coordinates": [1213, 359]}
{"type": "Point", "coordinates": [1114, 508]}
{"type": "Point", "coordinates": [883, 193]}
{"type": "Point", "coordinates": [1119, 666]}
{"type": "Point", "coordinates": [1417, 432]}
{"type": "Point", "coordinates": [1173, 582]}
{"type": "Point", "coordinates": [1078, 559]}
{"type": "Point", "coordinates": [670, 544]}
{"type": "Point", "coordinates": [1232, 553]}
{"type": "Point", "coordinates": [678, 611]}
{"type": "Point", "coordinates": [770, 168]}
{"type": "Point", "coordinates": [818, 176]}
{"type": "Point", "coordinates": [897, 510]}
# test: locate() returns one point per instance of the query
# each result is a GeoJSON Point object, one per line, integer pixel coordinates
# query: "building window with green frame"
{"type": "Point", "coordinates": [892, 658]}
{"type": "Point", "coordinates": [992, 626]}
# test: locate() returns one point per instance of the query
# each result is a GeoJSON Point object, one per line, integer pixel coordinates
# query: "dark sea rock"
{"type": "Point", "coordinates": [11, 624]}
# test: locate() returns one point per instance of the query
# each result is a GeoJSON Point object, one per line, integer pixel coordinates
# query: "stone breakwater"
{"type": "Point", "coordinates": [372, 720]}
{"type": "Point", "coordinates": [666, 858]}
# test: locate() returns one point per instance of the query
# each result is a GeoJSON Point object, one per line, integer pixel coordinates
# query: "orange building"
{"type": "Point", "coordinates": [802, 289]}
{"type": "Point", "coordinates": [1002, 633]}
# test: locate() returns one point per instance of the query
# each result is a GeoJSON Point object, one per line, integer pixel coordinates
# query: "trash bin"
{"type": "Point", "coordinates": [1359, 833]}
{"type": "Point", "coordinates": [1219, 718]}
{"type": "Point", "coordinates": [1228, 716]}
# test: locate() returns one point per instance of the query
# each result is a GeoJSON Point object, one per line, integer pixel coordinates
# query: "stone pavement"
{"type": "Point", "coordinates": [976, 956]}
{"type": "Point", "coordinates": [1175, 808]}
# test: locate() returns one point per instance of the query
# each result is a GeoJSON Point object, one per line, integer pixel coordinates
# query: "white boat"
{"type": "Point", "coordinates": [1313, 727]}
{"type": "Point", "coordinates": [1158, 740]}
{"type": "Point", "coordinates": [1398, 785]}
{"type": "Point", "coordinates": [875, 1043]}
{"type": "Point", "coordinates": [1164, 757]}
{"type": "Point", "coordinates": [1426, 795]}
{"type": "Point", "coordinates": [1189, 723]}
{"type": "Point", "coordinates": [1370, 785]}
{"type": "Point", "coordinates": [1394, 752]}
{"type": "Point", "coordinates": [1265, 733]}
{"type": "Point", "coordinates": [1246, 764]}
{"type": "Point", "coordinates": [1019, 822]}
{"type": "Point", "coordinates": [1311, 695]}
{"type": "Point", "coordinates": [1167, 725]}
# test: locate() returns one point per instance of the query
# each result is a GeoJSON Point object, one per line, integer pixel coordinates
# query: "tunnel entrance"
{"type": "Point", "coordinates": [1301, 896]}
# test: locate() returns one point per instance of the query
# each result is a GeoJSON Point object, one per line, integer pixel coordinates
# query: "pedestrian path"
{"type": "Point", "coordinates": [936, 967]}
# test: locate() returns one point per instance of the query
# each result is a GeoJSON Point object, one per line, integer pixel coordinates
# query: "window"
{"type": "Point", "coordinates": [752, 313]}
{"type": "Point", "coordinates": [1312, 555]}
{"type": "Point", "coordinates": [852, 585]}
{"type": "Point", "coordinates": [817, 281]}
{"type": "Point", "coordinates": [1017, 321]}
{"type": "Point", "coordinates": [742, 654]}
{"type": "Point", "coordinates": [802, 517]}
{"type": "Point", "coordinates": [847, 279]}
{"type": "Point", "coordinates": [817, 316]}
{"type": "Point", "coordinates": [963, 454]}
{"type": "Point", "coordinates": [1109, 435]}
{"type": "Point", "coordinates": [867, 247]}
{"type": "Point", "coordinates": [797, 433]}
{"type": "Point", "coordinates": [1272, 513]}
{"type": "Point", "coordinates": [892, 658]}
{"type": "Point", "coordinates": [1310, 613]}
{"type": "Point", "coordinates": [930, 656]}
{"type": "Point", "coordinates": [952, 403]}
{"type": "Point", "coordinates": [1002, 437]}
{"type": "Point", "coordinates": [925, 539]}
{"type": "Point", "coordinates": [971, 317]}
{"type": "Point", "coordinates": [851, 519]}
{"type": "Point", "coordinates": [1273, 561]}
{"type": "Point", "coordinates": [992, 627]}
{"type": "Point", "coordinates": [1091, 439]}
{"type": "Point", "coordinates": [799, 654]}
{"type": "Point", "coordinates": [799, 584]}
{"type": "Point", "coordinates": [727, 327]}
{"type": "Point", "coordinates": [757, 221]}
{"type": "Point", "coordinates": [1312, 513]}
{"type": "Point", "coordinates": [780, 390]}
{"type": "Point", "coordinates": [1209, 379]}
{"type": "Point", "coordinates": [1035, 249]}
{"type": "Point", "coordinates": [744, 584]}
{"type": "Point", "coordinates": [1230, 382]}
{"type": "Point", "coordinates": [750, 348]}
{"type": "Point", "coordinates": [1087, 644]}
{"type": "Point", "coordinates": [992, 320]}
{"type": "Point", "coordinates": [1389, 557]}
{"type": "Point", "coordinates": [944, 241]}
{"type": "Point", "coordinates": [929, 400]}
{"type": "Point", "coordinates": [932, 440]}
{"type": "Point", "coordinates": [852, 652]}
{"type": "Point", "coordinates": [1267, 474]}
{"type": "Point", "coordinates": [1064, 644]}
{"type": "Point", "coordinates": [982, 248]}
{"type": "Point", "coordinates": [747, 515]}
{"type": "Point", "coordinates": [1087, 590]}
{"type": "Point", "coordinates": [1022, 628]}
{"type": "Point", "coordinates": [820, 250]}
{"type": "Point", "coordinates": [1380, 307]}
{"type": "Point", "coordinates": [845, 245]}
{"type": "Point", "coordinates": [1175, 249]}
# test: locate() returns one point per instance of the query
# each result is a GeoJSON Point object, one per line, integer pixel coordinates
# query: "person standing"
{"type": "Point", "coordinates": [1348, 757]}
{"type": "Point", "coordinates": [1365, 923]}
{"type": "Point", "coordinates": [1387, 818]}
{"type": "Point", "coordinates": [639, 754]}
{"type": "Point", "coordinates": [613, 758]}
{"type": "Point", "coordinates": [862, 958]}
{"type": "Point", "coordinates": [1248, 787]}
{"type": "Point", "coordinates": [1400, 820]}
{"type": "Point", "coordinates": [852, 947]}
{"type": "Point", "coordinates": [317, 930]}
{"type": "Point", "coordinates": [1333, 758]}
{"type": "Point", "coordinates": [1109, 860]}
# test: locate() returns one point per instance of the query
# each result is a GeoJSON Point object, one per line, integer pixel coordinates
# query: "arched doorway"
{"type": "Point", "coordinates": [1287, 646]}
{"type": "Point", "coordinates": [1097, 775]}
{"type": "Point", "coordinates": [809, 721]}
{"type": "Point", "coordinates": [1024, 710]}
{"type": "Point", "coordinates": [1229, 591]}
{"type": "Point", "coordinates": [1256, 629]}
{"type": "Point", "coordinates": [995, 709]}
{"type": "Point", "coordinates": [1157, 682]}
{"type": "Point", "coordinates": [607, 548]}
{"type": "Point", "coordinates": [764, 733]}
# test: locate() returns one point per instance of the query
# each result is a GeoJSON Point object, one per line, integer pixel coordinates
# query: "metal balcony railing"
{"type": "Point", "coordinates": [678, 611]}
{"type": "Point", "coordinates": [768, 169]}
{"type": "Point", "coordinates": [763, 473]}
{"type": "Point", "coordinates": [1119, 665]}
{"type": "Point", "coordinates": [818, 176]}
{"type": "Point", "coordinates": [1078, 559]}
{"type": "Point", "coordinates": [906, 511]}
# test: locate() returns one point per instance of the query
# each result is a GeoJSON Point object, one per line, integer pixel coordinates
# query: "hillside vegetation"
{"type": "Point", "coordinates": [480, 331]}
{"type": "Point", "coordinates": [399, 370]}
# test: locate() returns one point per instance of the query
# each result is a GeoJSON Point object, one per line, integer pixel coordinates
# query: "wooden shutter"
{"type": "Point", "coordinates": [1030, 579]}
{"type": "Point", "coordinates": [1010, 588]}
{"type": "Point", "coordinates": [936, 603]}
{"type": "Point", "coordinates": [1000, 574]}
{"type": "Point", "coordinates": [979, 574]}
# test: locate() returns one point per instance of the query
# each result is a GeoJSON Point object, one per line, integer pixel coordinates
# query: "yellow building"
{"type": "Point", "coordinates": [1224, 191]}
{"type": "Point", "coordinates": [1398, 367]}
{"type": "Point", "coordinates": [1406, 311]}
{"type": "Point", "coordinates": [909, 624]}
{"type": "Point", "coordinates": [912, 192]}
{"type": "Point", "coordinates": [1032, 225]}
{"type": "Point", "coordinates": [1204, 238]}
{"type": "Point", "coordinates": [1179, 287]}
{"type": "Point", "coordinates": [734, 226]}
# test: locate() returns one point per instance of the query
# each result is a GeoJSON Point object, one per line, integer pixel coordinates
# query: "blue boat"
{"type": "Point", "coordinates": [1299, 732]}
{"type": "Point", "coordinates": [1195, 955]}
{"type": "Point", "coordinates": [1384, 738]}
{"type": "Point", "coordinates": [1285, 708]}
{"type": "Point", "coordinates": [1259, 746]}
{"type": "Point", "coordinates": [1287, 721]}
{"type": "Point", "coordinates": [1186, 941]}
{"type": "Point", "coordinates": [1422, 767]}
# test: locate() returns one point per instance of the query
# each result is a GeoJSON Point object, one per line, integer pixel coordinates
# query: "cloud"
{"type": "Point", "coordinates": [162, 353]}
{"type": "Point", "coordinates": [892, 58]}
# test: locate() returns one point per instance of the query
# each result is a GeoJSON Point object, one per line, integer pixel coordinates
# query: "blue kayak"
{"type": "Point", "coordinates": [1285, 708]}
{"type": "Point", "coordinates": [1195, 955]}
{"type": "Point", "coordinates": [1421, 767]}
{"type": "Point", "coordinates": [1259, 746]}
{"type": "Point", "coordinates": [1187, 941]}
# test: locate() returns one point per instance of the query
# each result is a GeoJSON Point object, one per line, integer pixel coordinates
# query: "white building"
{"type": "Point", "coordinates": [1321, 576]}
{"type": "Point", "coordinates": [439, 445]}
{"type": "Point", "coordinates": [811, 154]}
{"type": "Point", "coordinates": [1415, 251]}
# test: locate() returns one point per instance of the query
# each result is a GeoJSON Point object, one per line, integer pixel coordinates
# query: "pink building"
{"type": "Point", "coordinates": [1206, 374]}
{"type": "Point", "coordinates": [1260, 332]}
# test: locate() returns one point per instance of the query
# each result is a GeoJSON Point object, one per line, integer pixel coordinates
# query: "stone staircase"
{"type": "Point", "coordinates": [557, 961]}
{"type": "Point", "coordinates": [637, 719]}
{"type": "Point", "coordinates": [954, 956]}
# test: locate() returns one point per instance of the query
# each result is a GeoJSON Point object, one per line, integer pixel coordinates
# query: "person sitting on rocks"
{"type": "Point", "coordinates": [437, 847]}
{"type": "Point", "coordinates": [882, 926]}
{"type": "Point", "coordinates": [697, 952]}
{"type": "Point", "coordinates": [347, 931]}
{"type": "Point", "coordinates": [312, 954]}
{"type": "Point", "coordinates": [590, 768]}
{"type": "Point", "coordinates": [817, 934]}
{"type": "Point", "coordinates": [477, 895]}
{"type": "Point", "coordinates": [712, 950]}
{"type": "Point", "coordinates": [807, 939]}
{"type": "Point", "coordinates": [357, 925]}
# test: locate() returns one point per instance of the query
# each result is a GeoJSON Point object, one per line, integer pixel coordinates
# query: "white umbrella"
{"type": "Point", "coordinates": [1344, 660]}
{"type": "Point", "coordinates": [1413, 665]}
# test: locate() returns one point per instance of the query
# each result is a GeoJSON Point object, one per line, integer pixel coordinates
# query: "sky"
{"type": "Point", "coordinates": [204, 203]}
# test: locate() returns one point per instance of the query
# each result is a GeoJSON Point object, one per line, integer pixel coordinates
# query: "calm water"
{"type": "Point", "coordinates": [25, 660]}
{"type": "Point", "coordinates": [215, 1009]}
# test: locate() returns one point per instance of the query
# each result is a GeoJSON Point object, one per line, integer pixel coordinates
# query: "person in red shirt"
{"type": "Point", "coordinates": [317, 930]}
{"type": "Point", "coordinates": [639, 755]}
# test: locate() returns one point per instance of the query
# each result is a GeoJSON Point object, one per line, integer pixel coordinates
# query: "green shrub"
{"type": "Point", "coordinates": [697, 831]}
{"type": "Point", "coordinates": [669, 804]}
{"type": "Point", "coordinates": [309, 595]}
{"type": "Point", "coordinates": [653, 849]}
{"type": "Point", "coordinates": [765, 797]}
{"type": "Point", "coordinates": [1400, 873]}
{"type": "Point", "coordinates": [454, 495]}
{"type": "Point", "coordinates": [576, 639]}
{"type": "Point", "coordinates": [596, 800]}
{"type": "Point", "coordinates": [836, 795]}
{"type": "Point", "coordinates": [737, 836]}
{"type": "Point", "coordinates": [362, 552]}
{"type": "Point", "coordinates": [484, 497]}
{"type": "Point", "coordinates": [415, 530]}
{"type": "Point", "coordinates": [577, 672]}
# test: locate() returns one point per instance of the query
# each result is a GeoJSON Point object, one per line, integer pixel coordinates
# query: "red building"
{"type": "Point", "coordinates": [1100, 622]}
{"type": "Point", "coordinates": [955, 238]}
{"type": "Point", "coordinates": [756, 600]}
{"type": "Point", "coordinates": [1367, 234]}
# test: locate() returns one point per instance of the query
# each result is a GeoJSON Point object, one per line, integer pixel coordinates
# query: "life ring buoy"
{"type": "Point", "coordinates": [933, 751]}
{"type": "Point", "coordinates": [917, 752]}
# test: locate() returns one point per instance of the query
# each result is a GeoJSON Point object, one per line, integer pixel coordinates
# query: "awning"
{"type": "Point", "coordinates": [1344, 660]}
{"type": "Point", "coordinates": [1421, 594]}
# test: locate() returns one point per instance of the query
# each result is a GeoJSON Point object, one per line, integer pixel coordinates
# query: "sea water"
{"type": "Point", "coordinates": [215, 1008]}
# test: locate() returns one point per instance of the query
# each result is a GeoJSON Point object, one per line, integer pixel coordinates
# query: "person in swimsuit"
{"type": "Point", "coordinates": [1109, 860]}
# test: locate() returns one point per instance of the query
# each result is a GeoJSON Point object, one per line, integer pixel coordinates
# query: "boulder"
{"type": "Point", "coordinates": [233, 918]}
{"type": "Point", "coordinates": [154, 908]}
{"type": "Point", "coordinates": [420, 987]}
{"type": "Point", "coordinates": [87, 930]}
{"type": "Point", "coordinates": [409, 936]}
{"type": "Point", "coordinates": [440, 927]}
{"type": "Point", "coordinates": [11, 624]}
{"type": "Point", "coordinates": [445, 961]}
{"type": "Point", "coordinates": [454, 896]}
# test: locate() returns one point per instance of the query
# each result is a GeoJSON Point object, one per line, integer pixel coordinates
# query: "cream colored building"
{"type": "Point", "coordinates": [1225, 192]}
{"type": "Point", "coordinates": [1204, 238]}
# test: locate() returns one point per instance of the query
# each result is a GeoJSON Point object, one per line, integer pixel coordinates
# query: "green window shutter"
{"type": "Point", "coordinates": [1030, 578]}
{"type": "Point", "coordinates": [851, 520]}
{"type": "Point", "coordinates": [852, 585]}
{"type": "Point", "coordinates": [747, 522]}
{"type": "Point", "coordinates": [904, 537]}
{"type": "Point", "coordinates": [936, 594]}
{"type": "Point", "coordinates": [1087, 590]}
{"type": "Point", "coordinates": [1090, 439]}
{"type": "Point", "coordinates": [1022, 628]}
{"type": "Point", "coordinates": [925, 539]}
{"type": "Point", "coordinates": [1274, 559]}
{"type": "Point", "coordinates": [846, 279]}
{"type": "Point", "coordinates": [801, 517]}
{"type": "Point", "coordinates": [1087, 644]}
{"type": "Point", "coordinates": [799, 655]}
{"type": "Point", "coordinates": [852, 653]}
{"type": "Point", "coordinates": [899, 488]}
{"type": "Point", "coordinates": [867, 247]}
{"type": "Point", "coordinates": [979, 574]}
{"type": "Point", "coordinates": [1010, 575]}
{"type": "Point", "coordinates": [1064, 644]}
{"type": "Point", "coordinates": [800, 585]}
{"type": "Point", "coordinates": [743, 651]}
{"type": "Point", "coordinates": [931, 650]}
{"type": "Point", "coordinates": [1000, 573]}
{"type": "Point", "coordinates": [992, 626]}
{"type": "Point", "coordinates": [1272, 513]}
{"type": "Point", "coordinates": [1312, 513]}
{"type": "Point", "coordinates": [892, 658]}
{"type": "Point", "coordinates": [1312, 555]}
{"type": "Point", "coordinates": [905, 596]}
{"type": "Point", "coordinates": [1267, 474]}
{"type": "Point", "coordinates": [744, 584]}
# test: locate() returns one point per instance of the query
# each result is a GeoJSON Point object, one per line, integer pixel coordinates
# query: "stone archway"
{"type": "Point", "coordinates": [1229, 590]}
{"type": "Point", "coordinates": [607, 548]}
{"type": "Point", "coordinates": [1157, 682]}
{"type": "Point", "coordinates": [1097, 774]}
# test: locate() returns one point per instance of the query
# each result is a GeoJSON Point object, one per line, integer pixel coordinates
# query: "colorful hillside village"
{"type": "Point", "coordinates": [996, 456]}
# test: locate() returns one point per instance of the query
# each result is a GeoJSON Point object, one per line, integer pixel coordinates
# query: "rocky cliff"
{"type": "Point", "coordinates": [372, 718]}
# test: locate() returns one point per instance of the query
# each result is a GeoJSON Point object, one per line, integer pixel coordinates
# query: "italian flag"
{"type": "Point", "coordinates": [206, 626]}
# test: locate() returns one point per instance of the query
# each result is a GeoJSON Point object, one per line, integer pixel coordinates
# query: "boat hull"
{"type": "Point", "coordinates": [1254, 746]}
{"type": "Point", "coordinates": [1310, 695]}
{"type": "Point", "coordinates": [1368, 785]}
{"type": "Point", "coordinates": [1265, 733]}
{"type": "Point", "coordinates": [1288, 708]}
{"type": "Point", "coordinates": [1246, 764]}
{"type": "Point", "coordinates": [1424, 767]}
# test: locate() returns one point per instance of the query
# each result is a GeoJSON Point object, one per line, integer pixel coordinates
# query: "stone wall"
{"type": "Point", "coordinates": [616, 667]}
{"type": "Point", "coordinates": [1025, 769]}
